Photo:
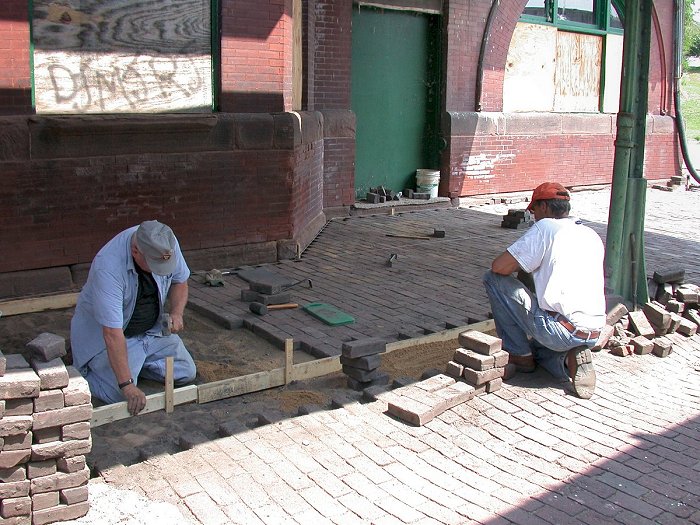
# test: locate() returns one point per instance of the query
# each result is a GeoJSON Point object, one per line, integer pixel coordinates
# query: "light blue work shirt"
{"type": "Point", "coordinates": [109, 296]}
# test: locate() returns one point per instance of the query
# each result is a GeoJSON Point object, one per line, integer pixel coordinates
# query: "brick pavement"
{"type": "Point", "coordinates": [528, 453]}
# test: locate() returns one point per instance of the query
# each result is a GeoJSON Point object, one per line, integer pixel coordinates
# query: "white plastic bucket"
{"type": "Point", "coordinates": [427, 181]}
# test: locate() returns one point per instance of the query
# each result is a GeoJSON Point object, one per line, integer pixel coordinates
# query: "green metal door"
{"type": "Point", "coordinates": [395, 61]}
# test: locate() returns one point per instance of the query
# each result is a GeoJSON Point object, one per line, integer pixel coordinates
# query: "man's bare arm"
{"type": "Point", "coordinates": [178, 300]}
{"type": "Point", "coordinates": [504, 264]}
{"type": "Point", "coordinates": [119, 361]}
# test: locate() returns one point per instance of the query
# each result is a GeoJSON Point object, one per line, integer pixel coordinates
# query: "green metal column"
{"type": "Point", "coordinates": [625, 267]}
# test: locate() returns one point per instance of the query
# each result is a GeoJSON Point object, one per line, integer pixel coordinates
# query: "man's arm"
{"type": "Point", "coordinates": [504, 264]}
{"type": "Point", "coordinates": [119, 361]}
{"type": "Point", "coordinates": [178, 300]}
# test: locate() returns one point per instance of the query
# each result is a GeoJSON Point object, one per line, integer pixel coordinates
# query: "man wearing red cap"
{"type": "Point", "coordinates": [556, 325]}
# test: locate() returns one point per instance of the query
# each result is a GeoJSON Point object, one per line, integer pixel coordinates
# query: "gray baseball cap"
{"type": "Point", "coordinates": [156, 241]}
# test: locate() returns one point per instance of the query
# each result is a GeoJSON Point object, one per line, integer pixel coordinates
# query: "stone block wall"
{"type": "Point", "coordinates": [45, 413]}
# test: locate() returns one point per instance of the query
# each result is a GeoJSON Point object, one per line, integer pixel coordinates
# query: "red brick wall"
{"type": "Point", "coordinates": [501, 153]}
{"type": "Point", "coordinates": [256, 55]}
{"type": "Point", "coordinates": [244, 180]}
{"type": "Point", "coordinates": [15, 87]}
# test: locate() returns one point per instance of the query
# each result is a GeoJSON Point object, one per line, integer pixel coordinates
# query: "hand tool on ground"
{"type": "Point", "coordinates": [261, 309]}
{"type": "Point", "coordinates": [287, 287]}
{"type": "Point", "coordinates": [401, 236]}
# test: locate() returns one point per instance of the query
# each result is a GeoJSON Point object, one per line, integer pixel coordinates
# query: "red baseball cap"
{"type": "Point", "coordinates": [548, 190]}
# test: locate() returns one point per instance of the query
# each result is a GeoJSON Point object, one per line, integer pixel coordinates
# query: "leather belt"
{"type": "Point", "coordinates": [581, 334]}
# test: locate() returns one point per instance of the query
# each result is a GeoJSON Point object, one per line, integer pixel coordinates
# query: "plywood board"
{"type": "Point", "coordinates": [528, 84]}
{"type": "Point", "coordinates": [613, 73]}
{"type": "Point", "coordinates": [117, 56]}
{"type": "Point", "coordinates": [578, 69]}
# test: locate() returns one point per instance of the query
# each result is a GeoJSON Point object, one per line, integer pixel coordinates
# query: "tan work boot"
{"type": "Point", "coordinates": [579, 361]}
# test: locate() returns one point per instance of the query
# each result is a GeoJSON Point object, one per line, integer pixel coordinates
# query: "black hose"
{"type": "Point", "coordinates": [677, 56]}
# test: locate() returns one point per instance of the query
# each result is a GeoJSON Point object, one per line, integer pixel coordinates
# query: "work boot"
{"type": "Point", "coordinates": [523, 363]}
{"type": "Point", "coordinates": [579, 361]}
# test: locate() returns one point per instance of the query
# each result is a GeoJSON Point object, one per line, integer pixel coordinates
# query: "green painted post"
{"type": "Point", "coordinates": [625, 268]}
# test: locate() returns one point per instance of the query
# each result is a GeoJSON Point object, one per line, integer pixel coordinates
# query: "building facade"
{"type": "Point", "coordinates": [243, 123]}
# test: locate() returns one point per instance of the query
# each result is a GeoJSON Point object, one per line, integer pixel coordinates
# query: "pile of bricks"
{"type": "Point", "coordinates": [644, 331]}
{"type": "Point", "coordinates": [517, 219]}
{"type": "Point", "coordinates": [676, 182]}
{"type": "Point", "coordinates": [361, 359]}
{"type": "Point", "coordinates": [45, 412]}
{"type": "Point", "coordinates": [480, 361]}
{"type": "Point", "coordinates": [421, 402]}
{"type": "Point", "coordinates": [380, 194]}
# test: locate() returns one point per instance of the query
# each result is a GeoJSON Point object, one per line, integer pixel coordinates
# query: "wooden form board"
{"type": "Point", "coordinates": [38, 304]}
{"type": "Point", "coordinates": [117, 56]}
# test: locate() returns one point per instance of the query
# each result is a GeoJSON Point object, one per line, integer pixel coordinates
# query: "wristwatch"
{"type": "Point", "coordinates": [126, 383]}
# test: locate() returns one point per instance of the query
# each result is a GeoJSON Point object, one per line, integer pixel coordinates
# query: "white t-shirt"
{"type": "Point", "coordinates": [566, 261]}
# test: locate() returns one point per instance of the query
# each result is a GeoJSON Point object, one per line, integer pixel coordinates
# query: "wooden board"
{"type": "Point", "coordinates": [154, 402]}
{"type": "Point", "coordinates": [38, 304]}
{"type": "Point", "coordinates": [528, 84]}
{"type": "Point", "coordinates": [117, 56]}
{"type": "Point", "coordinates": [237, 386]}
{"type": "Point", "coordinates": [579, 59]}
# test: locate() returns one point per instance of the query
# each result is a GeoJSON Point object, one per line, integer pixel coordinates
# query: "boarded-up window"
{"type": "Point", "coordinates": [122, 56]}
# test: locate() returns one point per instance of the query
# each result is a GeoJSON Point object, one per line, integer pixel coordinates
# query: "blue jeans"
{"type": "Point", "coordinates": [527, 329]}
{"type": "Point", "coordinates": [147, 355]}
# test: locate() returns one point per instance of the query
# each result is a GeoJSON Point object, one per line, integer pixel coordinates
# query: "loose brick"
{"type": "Point", "coordinates": [73, 431]}
{"type": "Point", "coordinates": [57, 449]}
{"type": "Point", "coordinates": [17, 473]}
{"type": "Point", "coordinates": [454, 369]}
{"type": "Point", "coordinates": [364, 376]}
{"type": "Point", "coordinates": [456, 393]}
{"type": "Point", "coordinates": [622, 351]}
{"type": "Point", "coordinates": [11, 425]}
{"type": "Point", "coordinates": [473, 360]}
{"type": "Point", "coordinates": [47, 435]}
{"type": "Point", "coordinates": [59, 481]}
{"type": "Point", "coordinates": [657, 315]}
{"type": "Point", "coordinates": [3, 364]}
{"type": "Point", "coordinates": [14, 489]}
{"type": "Point", "coordinates": [18, 383]}
{"type": "Point", "coordinates": [37, 469]}
{"type": "Point", "coordinates": [12, 458]}
{"type": "Point", "coordinates": [494, 385]}
{"type": "Point", "coordinates": [60, 513]}
{"type": "Point", "coordinates": [23, 406]}
{"type": "Point", "coordinates": [409, 410]}
{"type": "Point", "coordinates": [675, 323]}
{"type": "Point", "coordinates": [74, 495]}
{"type": "Point", "coordinates": [616, 313]}
{"type": "Point", "coordinates": [676, 307]}
{"type": "Point", "coordinates": [62, 416]}
{"type": "Point", "coordinates": [437, 403]}
{"type": "Point", "coordinates": [692, 315]}
{"type": "Point", "coordinates": [642, 345]}
{"type": "Point", "coordinates": [640, 324]}
{"type": "Point", "coordinates": [479, 342]}
{"type": "Point", "coordinates": [687, 327]}
{"type": "Point", "coordinates": [78, 391]}
{"type": "Point", "coordinates": [605, 334]}
{"type": "Point", "coordinates": [363, 347]}
{"type": "Point", "coordinates": [662, 346]}
{"type": "Point", "coordinates": [11, 507]}
{"type": "Point", "coordinates": [48, 400]}
{"type": "Point", "coordinates": [75, 463]}
{"type": "Point", "coordinates": [671, 275]}
{"type": "Point", "coordinates": [435, 382]}
{"type": "Point", "coordinates": [18, 441]}
{"type": "Point", "coordinates": [500, 359]}
{"type": "Point", "coordinates": [687, 295]}
{"type": "Point", "coordinates": [16, 362]}
{"type": "Point", "coordinates": [52, 374]}
{"type": "Point", "coordinates": [45, 500]}
{"type": "Point", "coordinates": [368, 362]}
{"type": "Point", "coordinates": [47, 346]}
{"type": "Point", "coordinates": [481, 377]}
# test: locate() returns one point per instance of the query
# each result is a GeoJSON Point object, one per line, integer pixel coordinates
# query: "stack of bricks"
{"type": "Point", "coordinates": [45, 412]}
{"type": "Point", "coordinates": [421, 402]}
{"type": "Point", "coordinates": [480, 361]}
{"type": "Point", "coordinates": [517, 219]}
{"type": "Point", "coordinates": [361, 359]}
{"type": "Point", "coordinates": [641, 332]}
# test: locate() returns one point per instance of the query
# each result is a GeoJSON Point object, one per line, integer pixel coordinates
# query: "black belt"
{"type": "Point", "coordinates": [581, 334]}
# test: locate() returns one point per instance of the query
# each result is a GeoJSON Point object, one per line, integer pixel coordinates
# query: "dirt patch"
{"type": "Point", "coordinates": [413, 361]}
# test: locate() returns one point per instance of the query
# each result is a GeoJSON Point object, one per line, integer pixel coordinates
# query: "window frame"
{"type": "Point", "coordinates": [601, 15]}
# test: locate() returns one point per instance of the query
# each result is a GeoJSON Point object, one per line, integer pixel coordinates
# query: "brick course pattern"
{"type": "Point", "coordinates": [43, 474]}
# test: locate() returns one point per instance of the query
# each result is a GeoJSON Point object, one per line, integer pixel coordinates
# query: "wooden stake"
{"type": "Point", "coordinates": [169, 384]}
{"type": "Point", "coordinates": [288, 361]}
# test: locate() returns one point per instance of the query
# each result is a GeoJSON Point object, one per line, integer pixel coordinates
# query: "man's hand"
{"type": "Point", "coordinates": [177, 323]}
{"type": "Point", "coordinates": [135, 398]}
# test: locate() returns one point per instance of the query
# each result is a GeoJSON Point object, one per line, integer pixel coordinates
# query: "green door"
{"type": "Point", "coordinates": [395, 61]}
